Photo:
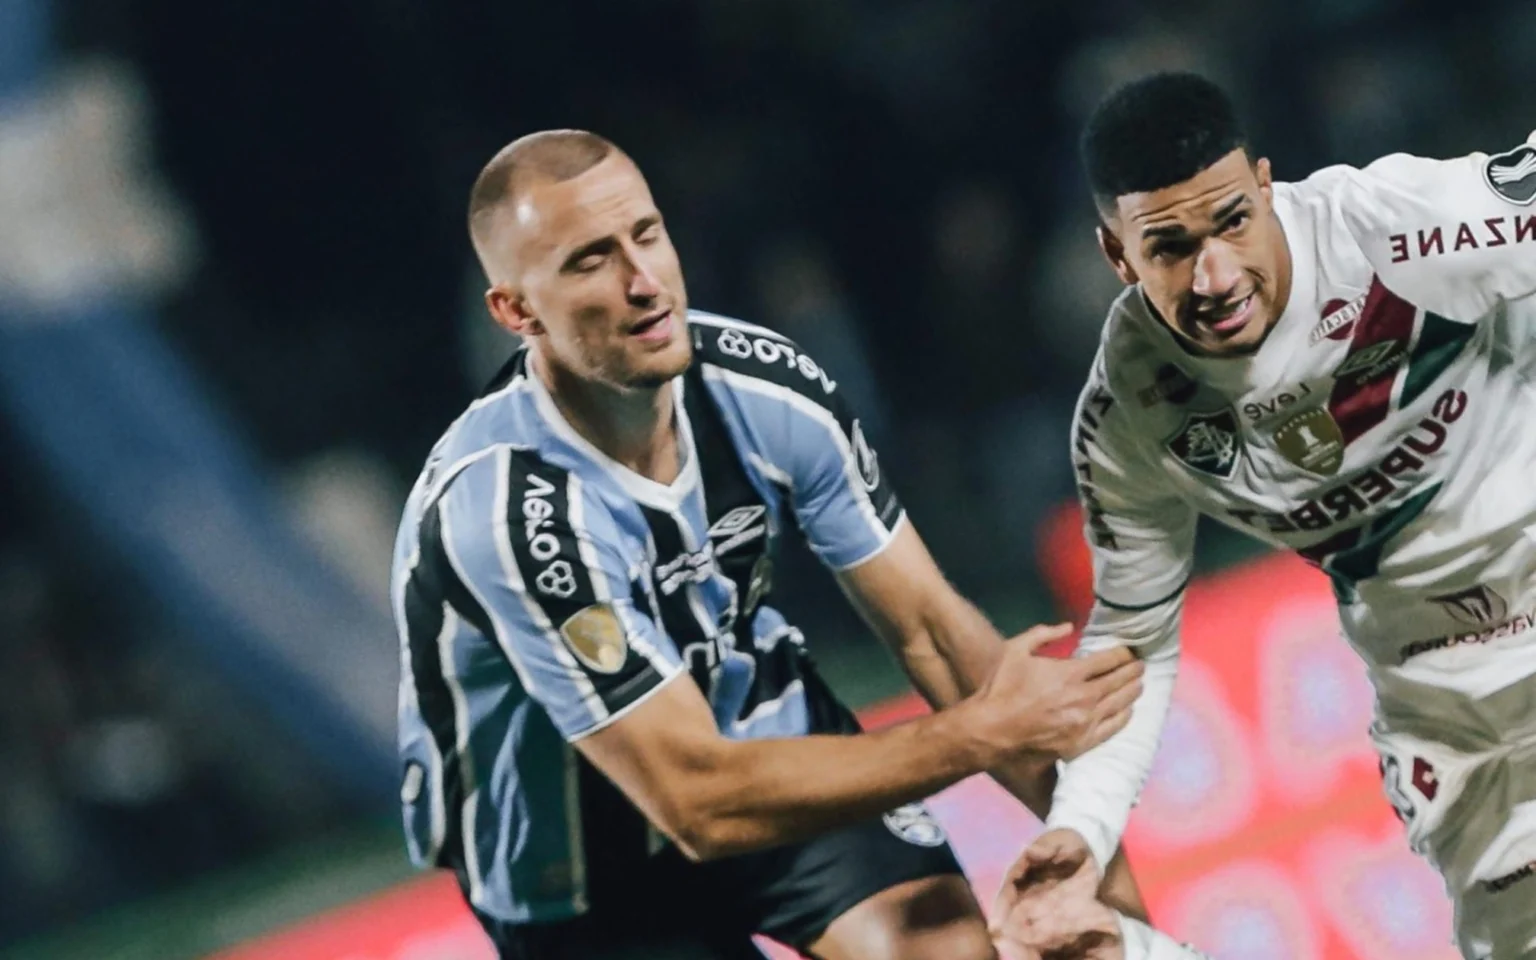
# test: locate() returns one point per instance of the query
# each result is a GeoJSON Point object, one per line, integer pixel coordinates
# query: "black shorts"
{"type": "Point", "coordinates": [679, 910]}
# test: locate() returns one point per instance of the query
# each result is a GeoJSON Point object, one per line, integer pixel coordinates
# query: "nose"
{"type": "Point", "coordinates": [643, 285]}
{"type": "Point", "coordinates": [1217, 271]}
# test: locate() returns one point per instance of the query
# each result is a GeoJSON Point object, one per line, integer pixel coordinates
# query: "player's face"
{"type": "Point", "coordinates": [598, 282]}
{"type": "Point", "coordinates": [1209, 253]}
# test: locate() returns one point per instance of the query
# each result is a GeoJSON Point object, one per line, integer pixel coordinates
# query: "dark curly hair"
{"type": "Point", "coordinates": [1155, 132]}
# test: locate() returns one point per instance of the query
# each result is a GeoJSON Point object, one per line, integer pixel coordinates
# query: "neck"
{"type": "Point", "coordinates": [634, 426]}
{"type": "Point", "coordinates": [1287, 270]}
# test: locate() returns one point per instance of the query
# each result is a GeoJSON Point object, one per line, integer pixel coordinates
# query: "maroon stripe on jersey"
{"type": "Point", "coordinates": [1362, 397]}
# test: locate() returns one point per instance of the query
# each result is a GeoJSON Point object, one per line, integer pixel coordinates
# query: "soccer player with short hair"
{"type": "Point", "coordinates": [608, 732]}
{"type": "Point", "coordinates": [1346, 367]}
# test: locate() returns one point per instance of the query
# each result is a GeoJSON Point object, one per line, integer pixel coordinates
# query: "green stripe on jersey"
{"type": "Point", "coordinates": [1363, 560]}
{"type": "Point", "coordinates": [1440, 343]}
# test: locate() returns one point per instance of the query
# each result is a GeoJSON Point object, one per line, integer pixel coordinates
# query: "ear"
{"type": "Point", "coordinates": [511, 312]}
{"type": "Point", "coordinates": [1114, 252]}
{"type": "Point", "coordinates": [1266, 179]}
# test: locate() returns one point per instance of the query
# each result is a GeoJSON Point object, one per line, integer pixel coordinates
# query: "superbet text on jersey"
{"type": "Point", "coordinates": [1386, 431]}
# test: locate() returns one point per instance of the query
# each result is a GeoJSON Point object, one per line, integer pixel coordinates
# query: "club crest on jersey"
{"type": "Point", "coordinates": [914, 824]}
{"type": "Point", "coordinates": [1373, 361]}
{"type": "Point", "coordinates": [1313, 442]}
{"type": "Point", "coordinates": [864, 456]}
{"type": "Point", "coordinates": [1478, 606]}
{"type": "Point", "coordinates": [1168, 383]}
{"type": "Point", "coordinates": [1512, 174]}
{"type": "Point", "coordinates": [1209, 442]}
{"type": "Point", "coordinates": [596, 637]}
{"type": "Point", "coordinates": [1338, 320]}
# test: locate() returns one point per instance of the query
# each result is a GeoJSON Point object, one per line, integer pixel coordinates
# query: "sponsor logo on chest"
{"type": "Point", "coordinates": [1338, 320]}
{"type": "Point", "coordinates": [1257, 411]}
{"type": "Point", "coordinates": [696, 567]}
{"type": "Point", "coordinates": [1312, 441]}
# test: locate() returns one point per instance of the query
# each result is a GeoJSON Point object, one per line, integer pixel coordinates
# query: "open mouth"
{"type": "Point", "coordinates": [654, 327]}
{"type": "Point", "coordinates": [1230, 318]}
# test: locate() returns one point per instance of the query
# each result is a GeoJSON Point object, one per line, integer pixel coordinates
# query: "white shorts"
{"type": "Point", "coordinates": [1473, 816]}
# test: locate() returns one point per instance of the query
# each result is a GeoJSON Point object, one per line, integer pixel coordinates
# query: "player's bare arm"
{"type": "Point", "coordinates": [949, 649]}
{"type": "Point", "coordinates": [716, 797]}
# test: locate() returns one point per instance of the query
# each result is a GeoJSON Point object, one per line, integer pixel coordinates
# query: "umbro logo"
{"type": "Point", "coordinates": [738, 526]}
{"type": "Point", "coordinates": [1375, 360]}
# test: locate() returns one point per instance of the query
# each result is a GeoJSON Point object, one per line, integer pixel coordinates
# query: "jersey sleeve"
{"type": "Point", "coordinates": [1096, 791]}
{"type": "Point", "coordinates": [1140, 532]}
{"type": "Point", "coordinates": [548, 578]}
{"type": "Point", "coordinates": [811, 441]}
{"type": "Point", "coordinates": [1455, 237]}
{"type": "Point", "coordinates": [1141, 535]}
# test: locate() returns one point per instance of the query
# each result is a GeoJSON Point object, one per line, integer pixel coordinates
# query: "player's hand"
{"type": "Point", "coordinates": [1053, 706]}
{"type": "Point", "coordinates": [1098, 939]}
{"type": "Point", "coordinates": [1049, 903]}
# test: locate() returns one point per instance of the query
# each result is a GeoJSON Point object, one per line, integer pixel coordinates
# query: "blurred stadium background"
{"type": "Point", "coordinates": [237, 305]}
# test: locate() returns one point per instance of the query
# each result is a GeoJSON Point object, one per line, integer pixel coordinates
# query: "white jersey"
{"type": "Point", "coordinates": [1386, 431]}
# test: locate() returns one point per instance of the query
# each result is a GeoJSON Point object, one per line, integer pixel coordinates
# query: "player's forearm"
{"type": "Point", "coordinates": [952, 655]}
{"type": "Point", "coordinates": [950, 658]}
{"type": "Point", "coordinates": [1031, 779]}
{"type": "Point", "coordinates": [1034, 788]}
{"type": "Point", "coordinates": [761, 793]}
{"type": "Point", "coordinates": [954, 651]}
{"type": "Point", "coordinates": [1096, 791]}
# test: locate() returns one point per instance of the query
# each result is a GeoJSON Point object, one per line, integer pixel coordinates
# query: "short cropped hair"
{"type": "Point", "coordinates": [556, 155]}
{"type": "Point", "coordinates": [1155, 132]}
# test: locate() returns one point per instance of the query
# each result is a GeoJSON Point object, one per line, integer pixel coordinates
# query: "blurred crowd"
{"type": "Point", "coordinates": [893, 183]}
{"type": "Point", "coordinates": [125, 769]}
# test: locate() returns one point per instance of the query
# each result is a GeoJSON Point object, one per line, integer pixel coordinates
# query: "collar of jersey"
{"type": "Point", "coordinates": [668, 497]}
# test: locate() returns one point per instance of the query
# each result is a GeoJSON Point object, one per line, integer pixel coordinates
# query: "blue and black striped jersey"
{"type": "Point", "coordinates": [541, 590]}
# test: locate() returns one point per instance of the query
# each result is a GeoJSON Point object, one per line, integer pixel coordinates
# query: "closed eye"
{"type": "Point", "coordinates": [589, 257]}
{"type": "Point", "coordinates": [648, 230]}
